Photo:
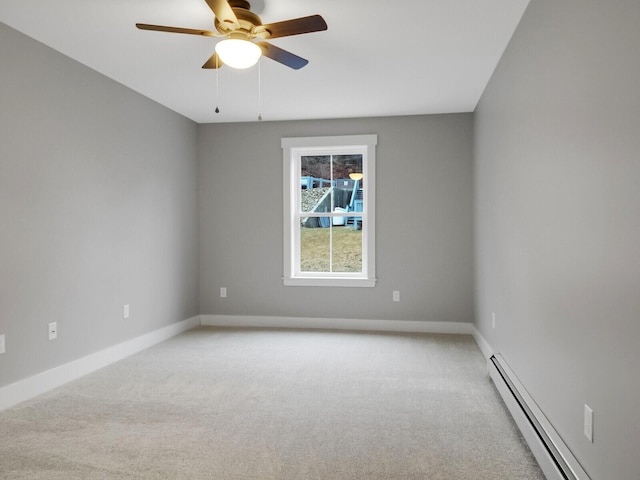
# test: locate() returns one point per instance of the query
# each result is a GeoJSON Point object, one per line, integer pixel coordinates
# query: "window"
{"type": "Point", "coordinates": [329, 211]}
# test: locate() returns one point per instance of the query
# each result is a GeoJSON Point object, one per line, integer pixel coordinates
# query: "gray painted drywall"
{"type": "Point", "coordinates": [424, 221]}
{"type": "Point", "coordinates": [557, 175]}
{"type": "Point", "coordinates": [98, 208]}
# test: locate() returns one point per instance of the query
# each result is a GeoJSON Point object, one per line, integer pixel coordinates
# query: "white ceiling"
{"type": "Point", "coordinates": [377, 58]}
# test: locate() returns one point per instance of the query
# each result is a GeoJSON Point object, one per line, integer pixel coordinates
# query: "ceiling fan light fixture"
{"type": "Point", "coordinates": [238, 53]}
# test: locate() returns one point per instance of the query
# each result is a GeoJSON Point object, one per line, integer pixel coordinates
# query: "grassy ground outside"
{"type": "Point", "coordinates": [315, 249]}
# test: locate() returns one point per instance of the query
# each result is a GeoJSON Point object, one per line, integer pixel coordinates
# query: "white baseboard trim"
{"type": "Point", "coordinates": [31, 387]}
{"type": "Point", "coordinates": [337, 324]}
{"type": "Point", "coordinates": [484, 347]}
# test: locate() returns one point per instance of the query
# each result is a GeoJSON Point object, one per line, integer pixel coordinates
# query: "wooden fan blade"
{"type": "Point", "coordinates": [314, 23]}
{"type": "Point", "coordinates": [282, 56]}
{"type": "Point", "coordinates": [213, 62]}
{"type": "Point", "coordinates": [223, 12]}
{"type": "Point", "coordinates": [190, 31]}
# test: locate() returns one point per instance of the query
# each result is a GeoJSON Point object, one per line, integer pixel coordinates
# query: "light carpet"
{"type": "Point", "coordinates": [274, 404]}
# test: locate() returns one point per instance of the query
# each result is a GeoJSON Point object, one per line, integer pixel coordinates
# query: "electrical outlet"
{"type": "Point", "coordinates": [223, 292]}
{"type": "Point", "coordinates": [53, 331]}
{"type": "Point", "coordinates": [2, 350]}
{"type": "Point", "coordinates": [588, 422]}
{"type": "Point", "coordinates": [493, 320]}
{"type": "Point", "coordinates": [396, 295]}
{"type": "Point", "coordinates": [125, 311]}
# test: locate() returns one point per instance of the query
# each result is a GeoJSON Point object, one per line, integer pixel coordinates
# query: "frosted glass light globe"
{"type": "Point", "coordinates": [238, 53]}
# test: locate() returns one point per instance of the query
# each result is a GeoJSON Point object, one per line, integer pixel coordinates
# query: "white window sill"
{"type": "Point", "coordinates": [329, 282]}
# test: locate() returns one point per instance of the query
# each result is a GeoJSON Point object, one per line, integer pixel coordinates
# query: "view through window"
{"type": "Point", "coordinates": [331, 184]}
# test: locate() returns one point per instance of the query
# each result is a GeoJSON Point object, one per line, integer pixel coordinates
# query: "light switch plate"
{"type": "Point", "coordinates": [2, 350]}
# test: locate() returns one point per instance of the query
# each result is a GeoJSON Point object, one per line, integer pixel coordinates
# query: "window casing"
{"type": "Point", "coordinates": [305, 225]}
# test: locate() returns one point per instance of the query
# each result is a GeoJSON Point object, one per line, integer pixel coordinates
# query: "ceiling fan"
{"type": "Point", "coordinates": [235, 21]}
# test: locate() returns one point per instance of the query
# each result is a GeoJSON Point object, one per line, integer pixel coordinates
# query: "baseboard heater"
{"type": "Point", "coordinates": [554, 457]}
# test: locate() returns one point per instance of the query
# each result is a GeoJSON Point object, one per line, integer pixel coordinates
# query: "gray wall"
{"type": "Point", "coordinates": [98, 207]}
{"type": "Point", "coordinates": [424, 221]}
{"type": "Point", "coordinates": [557, 143]}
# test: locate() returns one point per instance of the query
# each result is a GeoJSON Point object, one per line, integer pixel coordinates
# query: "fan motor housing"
{"type": "Point", "coordinates": [246, 18]}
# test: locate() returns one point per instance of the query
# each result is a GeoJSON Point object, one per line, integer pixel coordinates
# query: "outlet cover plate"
{"type": "Point", "coordinates": [53, 331]}
{"type": "Point", "coordinates": [588, 422]}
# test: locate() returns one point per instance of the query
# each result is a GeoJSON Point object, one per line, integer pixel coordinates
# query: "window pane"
{"type": "Point", "coordinates": [347, 174]}
{"type": "Point", "coordinates": [315, 183]}
{"type": "Point", "coordinates": [347, 249]}
{"type": "Point", "coordinates": [346, 165]}
{"type": "Point", "coordinates": [314, 249]}
{"type": "Point", "coordinates": [334, 249]}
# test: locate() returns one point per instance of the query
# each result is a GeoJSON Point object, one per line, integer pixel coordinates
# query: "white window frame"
{"type": "Point", "coordinates": [293, 149]}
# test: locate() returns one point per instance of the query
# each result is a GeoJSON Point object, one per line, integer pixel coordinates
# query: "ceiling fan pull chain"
{"type": "Point", "coordinates": [259, 91]}
{"type": "Point", "coordinates": [217, 85]}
